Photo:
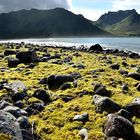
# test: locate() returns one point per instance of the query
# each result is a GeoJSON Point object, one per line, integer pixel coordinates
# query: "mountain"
{"type": "Point", "coordinates": [56, 22]}
{"type": "Point", "coordinates": [121, 23]}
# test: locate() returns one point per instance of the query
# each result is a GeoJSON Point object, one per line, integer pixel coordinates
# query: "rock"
{"type": "Point", "coordinates": [55, 81]}
{"type": "Point", "coordinates": [65, 86]}
{"type": "Point", "coordinates": [23, 122]}
{"type": "Point", "coordinates": [18, 96]}
{"type": "Point", "coordinates": [26, 128]}
{"type": "Point", "coordinates": [76, 75]}
{"type": "Point", "coordinates": [138, 87]}
{"type": "Point", "coordinates": [96, 48]}
{"type": "Point", "coordinates": [101, 90]}
{"type": "Point", "coordinates": [124, 64]}
{"type": "Point", "coordinates": [4, 104]}
{"type": "Point", "coordinates": [31, 66]}
{"type": "Point", "coordinates": [34, 108]}
{"type": "Point", "coordinates": [15, 111]}
{"type": "Point", "coordinates": [112, 138]}
{"type": "Point", "coordinates": [19, 104]}
{"type": "Point", "coordinates": [9, 52]}
{"type": "Point", "coordinates": [13, 62]}
{"type": "Point", "coordinates": [15, 87]}
{"type": "Point", "coordinates": [66, 98]}
{"type": "Point", "coordinates": [83, 133]}
{"type": "Point", "coordinates": [124, 113]}
{"type": "Point", "coordinates": [134, 107]}
{"type": "Point", "coordinates": [115, 66]}
{"type": "Point", "coordinates": [105, 104]}
{"type": "Point", "coordinates": [84, 117]}
{"type": "Point", "coordinates": [134, 75]}
{"type": "Point", "coordinates": [123, 72]}
{"type": "Point", "coordinates": [118, 126]}
{"type": "Point", "coordinates": [27, 57]}
{"type": "Point", "coordinates": [138, 70]}
{"type": "Point", "coordinates": [43, 81]}
{"type": "Point", "coordinates": [124, 87]}
{"type": "Point", "coordinates": [42, 95]}
{"type": "Point", "coordinates": [10, 126]}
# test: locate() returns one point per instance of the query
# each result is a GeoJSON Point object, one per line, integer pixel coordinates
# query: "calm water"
{"type": "Point", "coordinates": [132, 44]}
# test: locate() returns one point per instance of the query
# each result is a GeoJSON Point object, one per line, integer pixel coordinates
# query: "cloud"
{"type": "Point", "coordinates": [14, 5]}
{"type": "Point", "coordinates": [126, 4]}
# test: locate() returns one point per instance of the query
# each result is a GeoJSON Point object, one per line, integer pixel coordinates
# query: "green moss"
{"type": "Point", "coordinates": [55, 122]}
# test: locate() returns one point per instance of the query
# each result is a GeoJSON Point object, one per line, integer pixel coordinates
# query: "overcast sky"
{"type": "Point", "coordinates": [91, 9]}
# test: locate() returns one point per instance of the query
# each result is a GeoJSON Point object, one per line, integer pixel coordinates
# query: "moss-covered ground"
{"type": "Point", "coordinates": [55, 121]}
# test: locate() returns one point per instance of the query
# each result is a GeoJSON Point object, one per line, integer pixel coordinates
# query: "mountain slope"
{"type": "Point", "coordinates": [46, 23]}
{"type": "Point", "coordinates": [129, 26]}
{"type": "Point", "coordinates": [122, 23]}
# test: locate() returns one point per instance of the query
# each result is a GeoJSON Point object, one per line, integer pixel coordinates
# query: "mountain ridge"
{"type": "Point", "coordinates": [56, 22]}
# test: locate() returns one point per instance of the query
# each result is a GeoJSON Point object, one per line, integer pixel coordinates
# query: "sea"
{"type": "Point", "coordinates": [121, 43]}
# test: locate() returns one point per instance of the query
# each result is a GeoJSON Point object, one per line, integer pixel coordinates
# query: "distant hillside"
{"type": "Point", "coordinates": [46, 23]}
{"type": "Point", "coordinates": [122, 23]}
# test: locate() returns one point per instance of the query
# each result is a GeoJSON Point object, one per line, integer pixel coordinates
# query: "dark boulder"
{"type": "Point", "coordinates": [66, 98]}
{"type": "Point", "coordinates": [42, 95]}
{"type": "Point", "coordinates": [43, 81]}
{"type": "Point", "coordinates": [134, 75]}
{"type": "Point", "coordinates": [124, 87]}
{"type": "Point", "coordinates": [119, 127]}
{"type": "Point", "coordinates": [65, 86]}
{"type": "Point", "coordinates": [134, 107]}
{"type": "Point", "coordinates": [105, 104]}
{"type": "Point", "coordinates": [56, 81]}
{"type": "Point", "coordinates": [13, 62]}
{"type": "Point", "coordinates": [18, 96]}
{"type": "Point", "coordinates": [96, 48]}
{"type": "Point", "coordinates": [123, 72]}
{"type": "Point", "coordinates": [124, 113]}
{"type": "Point", "coordinates": [27, 57]}
{"type": "Point", "coordinates": [101, 90]}
{"type": "Point", "coordinates": [34, 108]}
{"type": "Point", "coordinates": [9, 52]}
{"type": "Point", "coordinates": [115, 66]}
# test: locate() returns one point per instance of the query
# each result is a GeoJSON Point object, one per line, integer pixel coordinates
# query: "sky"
{"type": "Point", "coordinates": [91, 9]}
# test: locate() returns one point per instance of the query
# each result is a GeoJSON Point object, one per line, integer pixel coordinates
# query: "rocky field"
{"type": "Point", "coordinates": [59, 93]}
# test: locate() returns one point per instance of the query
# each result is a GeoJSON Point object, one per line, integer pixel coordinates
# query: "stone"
{"type": "Point", "coordinates": [134, 107]}
{"type": "Point", "coordinates": [101, 90]}
{"type": "Point", "coordinates": [18, 96]}
{"type": "Point", "coordinates": [65, 86]}
{"type": "Point", "coordinates": [56, 81]}
{"type": "Point", "coordinates": [15, 111]}
{"type": "Point", "coordinates": [124, 113]}
{"type": "Point", "coordinates": [42, 95]}
{"type": "Point", "coordinates": [15, 87]}
{"type": "Point", "coordinates": [134, 75]}
{"type": "Point", "coordinates": [84, 117]}
{"type": "Point", "coordinates": [124, 87]}
{"type": "Point", "coordinates": [43, 81]}
{"type": "Point", "coordinates": [34, 108]}
{"type": "Point", "coordinates": [105, 104]}
{"type": "Point", "coordinates": [10, 126]}
{"type": "Point", "coordinates": [115, 66]}
{"type": "Point", "coordinates": [27, 56]}
{"type": "Point", "coordinates": [9, 52]}
{"type": "Point", "coordinates": [13, 62]}
{"type": "Point", "coordinates": [4, 104]}
{"type": "Point", "coordinates": [83, 133]}
{"type": "Point", "coordinates": [118, 126]}
{"type": "Point", "coordinates": [66, 98]}
{"type": "Point", "coordinates": [95, 48]}
{"type": "Point", "coordinates": [123, 72]}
